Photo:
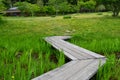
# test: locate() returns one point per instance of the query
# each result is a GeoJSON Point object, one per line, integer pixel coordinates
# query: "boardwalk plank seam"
{"type": "Point", "coordinates": [83, 65]}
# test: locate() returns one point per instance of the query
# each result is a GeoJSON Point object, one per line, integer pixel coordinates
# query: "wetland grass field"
{"type": "Point", "coordinates": [24, 54]}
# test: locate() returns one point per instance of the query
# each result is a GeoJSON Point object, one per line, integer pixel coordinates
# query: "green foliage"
{"type": "Point", "coordinates": [27, 8]}
{"type": "Point", "coordinates": [88, 5]}
{"type": "Point", "coordinates": [100, 8]}
{"type": "Point", "coordinates": [99, 13]}
{"type": "Point", "coordinates": [37, 7]}
{"type": "Point", "coordinates": [72, 2]}
{"type": "Point", "coordinates": [113, 5]}
{"type": "Point", "coordinates": [64, 7]}
{"type": "Point", "coordinates": [49, 9]}
{"type": "Point", "coordinates": [26, 57]}
{"type": "Point", "coordinates": [67, 17]}
{"type": "Point", "coordinates": [2, 7]}
{"type": "Point", "coordinates": [0, 19]}
{"type": "Point", "coordinates": [74, 8]}
{"type": "Point", "coordinates": [68, 8]}
{"type": "Point", "coordinates": [25, 35]}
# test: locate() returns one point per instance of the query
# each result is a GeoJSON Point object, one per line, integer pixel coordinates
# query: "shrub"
{"type": "Point", "coordinates": [53, 16]}
{"type": "Point", "coordinates": [64, 7]}
{"type": "Point", "coordinates": [1, 20]}
{"type": "Point", "coordinates": [87, 6]}
{"type": "Point", "coordinates": [2, 7]}
{"type": "Point", "coordinates": [67, 17]}
{"type": "Point", "coordinates": [99, 13]}
{"type": "Point", "coordinates": [100, 8]}
{"type": "Point", "coordinates": [28, 8]}
{"type": "Point", "coordinates": [73, 8]}
{"type": "Point", "coordinates": [49, 9]}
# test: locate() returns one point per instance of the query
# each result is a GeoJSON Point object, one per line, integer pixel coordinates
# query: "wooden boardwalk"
{"type": "Point", "coordinates": [83, 65]}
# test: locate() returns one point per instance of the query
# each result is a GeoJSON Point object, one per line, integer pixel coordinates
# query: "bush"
{"type": "Point", "coordinates": [87, 6]}
{"type": "Point", "coordinates": [28, 8]}
{"type": "Point", "coordinates": [2, 6]}
{"type": "Point", "coordinates": [73, 8]}
{"type": "Point", "coordinates": [100, 8]}
{"type": "Point", "coordinates": [99, 13]}
{"type": "Point", "coordinates": [53, 16]}
{"type": "Point", "coordinates": [64, 7]}
{"type": "Point", "coordinates": [1, 20]}
{"type": "Point", "coordinates": [49, 9]}
{"type": "Point", "coordinates": [67, 17]}
{"type": "Point", "coordinates": [68, 8]}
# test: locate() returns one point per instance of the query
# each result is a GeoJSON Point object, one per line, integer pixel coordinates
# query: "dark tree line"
{"type": "Point", "coordinates": [113, 5]}
{"type": "Point", "coordinates": [45, 2]}
{"type": "Point", "coordinates": [61, 6]}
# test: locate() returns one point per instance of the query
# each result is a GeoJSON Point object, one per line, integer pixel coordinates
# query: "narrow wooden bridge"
{"type": "Point", "coordinates": [83, 65]}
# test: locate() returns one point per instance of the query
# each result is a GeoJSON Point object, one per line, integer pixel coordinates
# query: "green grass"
{"type": "Point", "coordinates": [110, 47]}
{"type": "Point", "coordinates": [24, 54]}
{"type": "Point", "coordinates": [25, 57]}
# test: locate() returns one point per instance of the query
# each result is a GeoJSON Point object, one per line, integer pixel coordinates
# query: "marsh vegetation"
{"type": "Point", "coordinates": [24, 54]}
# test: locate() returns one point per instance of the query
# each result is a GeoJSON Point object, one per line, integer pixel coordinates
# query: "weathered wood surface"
{"type": "Point", "coordinates": [83, 64]}
{"type": "Point", "coordinates": [71, 49]}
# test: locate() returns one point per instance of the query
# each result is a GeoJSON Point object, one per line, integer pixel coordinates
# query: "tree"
{"type": "Point", "coordinates": [45, 2]}
{"type": "Point", "coordinates": [87, 5]}
{"type": "Point", "coordinates": [73, 2]}
{"type": "Point", "coordinates": [27, 8]}
{"type": "Point", "coordinates": [39, 3]}
{"type": "Point", "coordinates": [64, 7]}
{"type": "Point", "coordinates": [58, 5]}
{"type": "Point", "coordinates": [8, 3]}
{"type": "Point", "coordinates": [2, 7]}
{"type": "Point", "coordinates": [113, 5]}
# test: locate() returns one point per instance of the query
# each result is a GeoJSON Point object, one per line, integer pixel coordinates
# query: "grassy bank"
{"type": "Point", "coordinates": [25, 57]}
{"type": "Point", "coordinates": [24, 54]}
{"type": "Point", "coordinates": [110, 47]}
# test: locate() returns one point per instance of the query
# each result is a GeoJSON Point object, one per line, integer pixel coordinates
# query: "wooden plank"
{"type": "Point", "coordinates": [83, 66]}
{"type": "Point", "coordinates": [58, 47]}
{"type": "Point", "coordinates": [70, 49]}
{"type": "Point", "coordinates": [75, 70]}
{"type": "Point", "coordinates": [72, 70]}
{"type": "Point", "coordinates": [61, 37]}
{"type": "Point", "coordinates": [51, 73]}
{"type": "Point", "coordinates": [65, 48]}
{"type": "Point", "coordinates": [88, 71]}
{"type": "Point", "coordinates": [85, 50]}
{"type": "Point", "coordinates": [81, 50]}
{"type": "Point", "coordinates": [65, 72]}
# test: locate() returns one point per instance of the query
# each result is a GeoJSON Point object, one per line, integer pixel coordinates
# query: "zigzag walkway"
{"type": "Point", "coordinates": [83, 65]}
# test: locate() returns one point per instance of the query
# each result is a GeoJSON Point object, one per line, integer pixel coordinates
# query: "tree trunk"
{"type": "Point", "coordinates": [115, 11]}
